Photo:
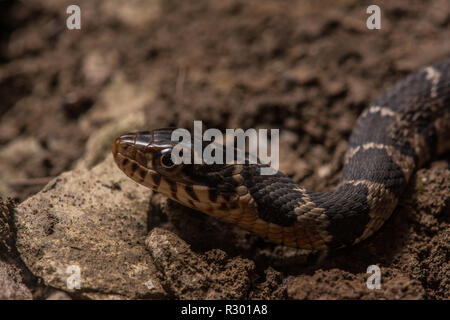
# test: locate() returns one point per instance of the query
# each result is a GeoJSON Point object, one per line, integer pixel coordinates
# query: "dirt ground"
{"type": "Point", "coordinates": [308, 68]}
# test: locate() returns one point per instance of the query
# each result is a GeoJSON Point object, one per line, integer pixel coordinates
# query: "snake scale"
{"type": "Point", "coordinates": [402, 130]}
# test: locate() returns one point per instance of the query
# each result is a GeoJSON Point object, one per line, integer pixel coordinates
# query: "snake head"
{"type": "Point", "coordinates": [146, 154]}
{"type": "Point", "coordinates": [227, 191]}
{"type": "Point", "coordinates": [146, 158]}
{"type": "Point", "coordinates": [215, 189]}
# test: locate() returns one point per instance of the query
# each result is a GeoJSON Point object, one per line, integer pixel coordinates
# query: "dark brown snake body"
{"type": "Point", "coordinates": [399, 132]}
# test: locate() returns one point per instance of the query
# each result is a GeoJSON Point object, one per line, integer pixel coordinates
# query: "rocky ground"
{"type": "Point", "coordinates": [305, 67]}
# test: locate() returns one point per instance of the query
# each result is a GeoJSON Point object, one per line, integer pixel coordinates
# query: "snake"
{"type": "Point", "coordinates": [402, 130]}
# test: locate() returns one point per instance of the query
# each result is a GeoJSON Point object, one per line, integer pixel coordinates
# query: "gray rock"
{"type": "Point", "coordinates": [58, 295]}
{"type": "Point", "coordinates": [91, 221]}
{"type": "Point", "coordinates": [11, 286]}
{"type": "Point", "coordinates": [189, 275]}
{"type": "Point", "coordinates": [12, 274]}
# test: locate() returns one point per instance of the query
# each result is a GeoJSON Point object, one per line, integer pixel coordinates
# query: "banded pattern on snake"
{"type": "Point", "coordinates": [399, 132]}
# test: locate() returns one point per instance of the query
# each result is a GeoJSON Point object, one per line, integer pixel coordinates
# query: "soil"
{"type": "Point", "coordinates": [308, 68]}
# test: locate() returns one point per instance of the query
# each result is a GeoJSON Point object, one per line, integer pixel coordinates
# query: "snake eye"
{"type": "Point", "coordinates": [166, 159]}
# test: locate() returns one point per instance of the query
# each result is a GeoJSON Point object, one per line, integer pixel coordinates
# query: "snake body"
{"type": "Point", "coordinates": [399, 132]}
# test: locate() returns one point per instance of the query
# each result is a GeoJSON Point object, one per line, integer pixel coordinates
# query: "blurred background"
{"type": "Point", "coordinates": [305, 67]}
{"type": "Point", "coordinates": [308, 68]}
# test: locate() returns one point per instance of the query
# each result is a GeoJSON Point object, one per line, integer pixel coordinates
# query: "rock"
{"type": "Point", "coordinates": [16, 159]}
{"type": "Point", "coordinates": [99, 143]}
{"type": "Point", "coordinates": [59, 295]}
{"type": "Point", "coordinates": [98, 66]}
{"type": "Point", "coordinates": [270, 288]}
{"type": "Point", "coordinates": [11, 283]}
{"type": "Point", "coordinates": [90, 223]}
{"type": "Point", "coordinates": [138, 15]}
{"type": "Point", "coordinates": [189, 275]}
{"type": "Point", "coordinates": [302, 75]}
{"type": "Point", "coordinates": [110, 104]}
{"type": "Point", "coordinates": [6, 228]}
{"type": "Point", "coordinates": [12, 277]}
